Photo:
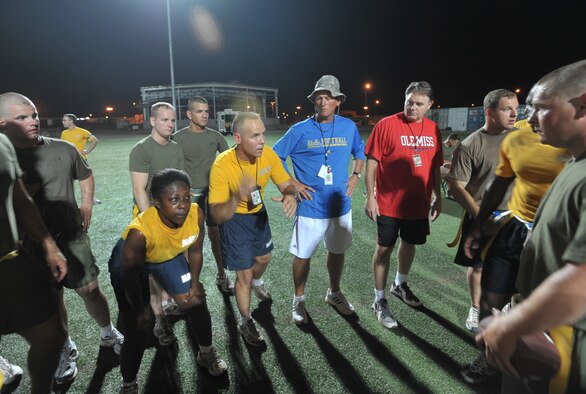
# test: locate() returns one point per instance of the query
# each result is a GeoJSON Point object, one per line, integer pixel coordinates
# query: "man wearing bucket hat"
{"type": "Point", "coordinates": [404, 155]}
{"type": "Point", "coordinates": [320, 148]}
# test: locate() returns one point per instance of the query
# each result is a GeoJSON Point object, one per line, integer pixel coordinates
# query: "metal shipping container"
{"type": "Point", "coordinates": [458, 119]}
{"type": "Point", "coordinates": [476, 118]}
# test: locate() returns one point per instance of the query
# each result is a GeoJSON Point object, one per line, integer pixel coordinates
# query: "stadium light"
{"type": "Point", "coordinates": [366, 88]}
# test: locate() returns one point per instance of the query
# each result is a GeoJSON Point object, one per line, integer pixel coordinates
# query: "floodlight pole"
{"type": "Point", "coordinates": [171, 56]}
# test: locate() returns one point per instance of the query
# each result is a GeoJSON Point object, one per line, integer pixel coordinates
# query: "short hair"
{"type": "Point", "coordinates": [13, 98]}
{"type": "Point", "coordinates": [72, 117]}
{"type": "Point", "coordinates": [567, 81]}
{"type": "Point", "coordinates": [421, 87]}
{"type": "Point", "coordinates": [163, 178]}
{"type": "Point", "coordinates": [196, 99]}
{"type": "Point", "coordinates": [453, 136]}
{"type": "Point", "coordinates": [157, 106]}
{"type": "Point", "coordinates": [241, 118]}
{"type": "Point", "coordinates": [492, 99]}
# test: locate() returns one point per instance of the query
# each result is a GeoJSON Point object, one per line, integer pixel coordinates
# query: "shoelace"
{"type": "Point", "coordinates": [5, 367]}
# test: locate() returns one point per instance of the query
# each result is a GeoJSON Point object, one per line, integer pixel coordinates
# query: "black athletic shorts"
{"type": "Point", "coordinates": [501, 264]}
{"type": "Point", "coordinates": [461, 258]}
{"type": "Point", "coordinates": [116, 278]}
{"type": "Point", "coordinates": [200, 196]}
{"type": "Point", "coordinates": [27, 296]}
{"type": "Point", "coordinates": [412, 231]}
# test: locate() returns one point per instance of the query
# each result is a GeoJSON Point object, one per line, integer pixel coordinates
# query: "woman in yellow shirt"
{"type": "Point", "coordinates": [165, 241]}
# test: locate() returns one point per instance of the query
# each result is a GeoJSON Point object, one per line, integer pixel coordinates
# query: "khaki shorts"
{"type": "Point", "coordinates": [81, 263]}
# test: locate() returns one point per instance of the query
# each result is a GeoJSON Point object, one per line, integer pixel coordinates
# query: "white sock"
{"type": "Point", "coordinates": [106, 330]}
{"type": "Point", "coordinates": [257, 282]}
{"type": "Point", "coordinates": [298, 298]}
{"type": "Point", "coordinates": [68, 342]}
{"type": "Point", "coordinates": [379, 294]}
{"type": "Point", "coordinates": [401, 278]}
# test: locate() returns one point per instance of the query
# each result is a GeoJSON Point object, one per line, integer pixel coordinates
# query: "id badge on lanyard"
{"type": "Point", "coordinates": [417, 162]}
{"type": "Point", "coordinates": [325, 172]}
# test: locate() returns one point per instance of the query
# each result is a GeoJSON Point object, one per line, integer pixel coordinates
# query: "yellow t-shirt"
{"type": "Point", "coordinates": [534, 166]}
{"type": "Point", "coordinates": [164, 243]}
{"type": "Point", "coordinates": [78, 137]}
{"type": "Point", "coordinates": [228, 172]}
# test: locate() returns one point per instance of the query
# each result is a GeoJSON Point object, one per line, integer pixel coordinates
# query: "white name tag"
{"type": "Point", "coordinates": [255, 197]}
{"type": "Point", "coordinates": [417, 162]}
{"type": "Point", "coordinates": [186, 278]}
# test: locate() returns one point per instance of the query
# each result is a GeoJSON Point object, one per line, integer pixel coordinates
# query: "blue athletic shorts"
{"type": "Point", "coordinates": [245, 237]}
{"type": "Point", "coordinates": [173, 275]}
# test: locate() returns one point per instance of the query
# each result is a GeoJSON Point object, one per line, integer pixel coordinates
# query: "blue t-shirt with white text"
{"type": "Point", "coordinates": [306, 143]}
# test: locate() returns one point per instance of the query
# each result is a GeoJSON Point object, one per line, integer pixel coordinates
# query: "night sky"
{"type": "Point", "coordinates": [81, 55]}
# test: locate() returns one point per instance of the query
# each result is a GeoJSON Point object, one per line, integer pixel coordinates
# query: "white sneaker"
{"type": "Point", "coordinates": [299, 313]}
{"type": "Point", "coordinates": [383, 315]}
{"type": "Point", "coordinates": [114, 340]}
{"type": "Point", "coordinates": [67, 368]}
{"type": "Point", "coordinates": [262, 293]}
{"type": "Point", "coordinates": [164, 332]}
{"type": "Point", "coordinates": [11, 375]}
{"type": "Point", "coordinates": [339, 302]}
{"type": "Point", "coordinates": [472, 320]}
{"type": "Point", "coordinates": [225, 284]}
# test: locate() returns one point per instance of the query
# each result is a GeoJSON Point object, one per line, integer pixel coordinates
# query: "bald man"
{"type": "Point", "coordinates": [552, 273]}
{"type": "Point", "coordinates": [50, 166]}
{"type": "Point", "coordinates": [27, 300]}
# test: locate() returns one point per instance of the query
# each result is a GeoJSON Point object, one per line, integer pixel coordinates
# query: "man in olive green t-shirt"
{"type": "Point", "coordinates": [150, 155]}
{"type": "Point", "coordinates": [154, 153]}
{"type": "Point", "coordinates": [200, 145]}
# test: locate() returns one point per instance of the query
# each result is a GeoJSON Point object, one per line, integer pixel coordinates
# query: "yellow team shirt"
{"type": "Point", "coordinates": [164, 243]}
{"type": "Point", "coordinates": [533, 164]}
{"type": "Point", "coordinates": [228, 172]}
{"type": "Point", "coordinates": [78, 137]}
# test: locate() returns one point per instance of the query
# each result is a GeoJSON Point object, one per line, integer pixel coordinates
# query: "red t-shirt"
{"type": "Point", "coordinates": [407, 154]}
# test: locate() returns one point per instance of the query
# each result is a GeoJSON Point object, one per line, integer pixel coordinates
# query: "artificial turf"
{"type": "Point", "coordinates": [333, 354]}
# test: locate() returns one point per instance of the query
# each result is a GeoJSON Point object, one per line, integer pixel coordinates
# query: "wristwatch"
{"type": "Point", "coordinates": [359, 175]}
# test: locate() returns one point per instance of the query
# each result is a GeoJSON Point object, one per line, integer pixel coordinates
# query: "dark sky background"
{"type": "Point", "coordinates": [81, 55]}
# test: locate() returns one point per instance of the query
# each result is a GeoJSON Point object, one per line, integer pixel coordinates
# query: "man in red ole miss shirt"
{"type": "Point", "coordinates": [404, 157]}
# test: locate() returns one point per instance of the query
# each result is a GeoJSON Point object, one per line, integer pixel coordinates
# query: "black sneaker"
{"type": "Point", "coordinates": [404, 293]}
{"type": "Point", "coordinates": [478, 371]}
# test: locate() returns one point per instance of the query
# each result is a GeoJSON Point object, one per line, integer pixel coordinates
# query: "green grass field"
{"type": "Point", "coordinates": [332, 355]}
